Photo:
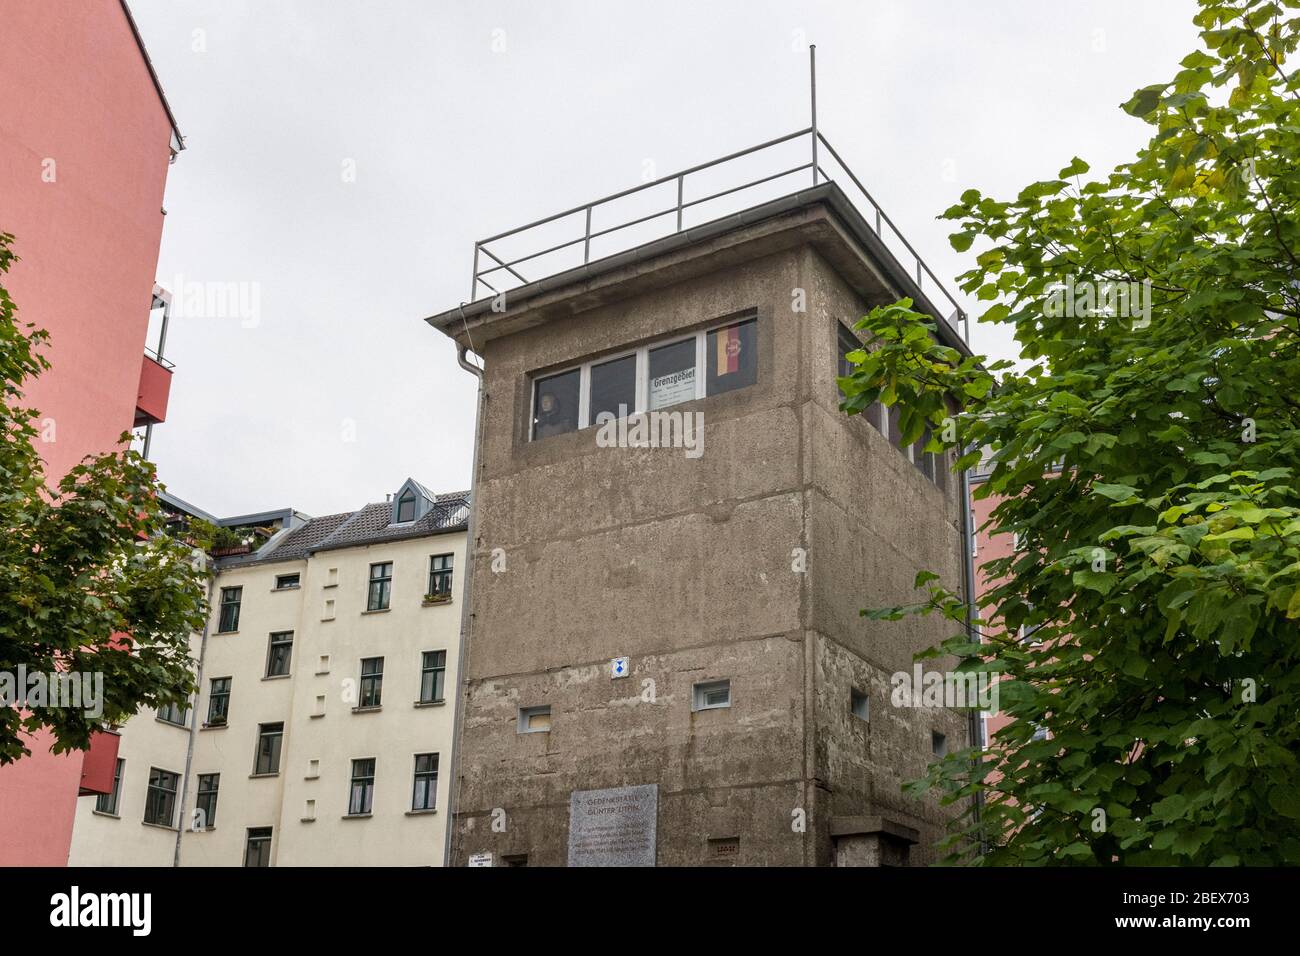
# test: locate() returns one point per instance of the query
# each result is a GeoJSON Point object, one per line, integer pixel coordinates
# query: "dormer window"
{"type": "Point", "coordinates": [406, 507]}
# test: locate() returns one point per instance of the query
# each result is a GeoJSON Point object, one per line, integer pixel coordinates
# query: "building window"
{"type": "Point", "coordinates": [859, 704]}
{"type": "Point", "coordinates": [279, 652]}
{"type": "Point", "coordinates": [405, 507]}
{"type": "Point", "coordinates": [514, 859]}
{"type": "Point", "coordinates": [205, 804]}
{"type": "Point", "coordinates": [938, 744]}
{"type": "Point", "coordinates": [876, 414]}
{"type": "Point", "coordinates": [372, 682]}
{"type": "Point", "coordinates": [555, 404]}
{"type": "Point", "coordinates": [257, 850]}
{"type": "Point", "coordinates": [433, 672]}
{"type": "Point", "coordinates": [160, 800]}
{"type": "Point", "coordinates": [712, 695]}
{"type": "Point", "coordinates": [107, 802]}
{"type": "Point", "coordinates": [673, 377]}
{"type": "Point", "coordinates": [230, 601]}
{"type": "Point", "coordinates": [534, 720]}
{"type": "Point", "coordinates": [731, 358]}
{"type": "Point", "coordinates": [285, 582]}
{"type": "Point", "coordinates": [707, 362]}
{"type": "Point", "coordinates": [440, 575]}
{"type": "Point", "coordinates": [381, 586]}
{"type": "Point", "coordinates": [613, 387]}
{"type": "Point", "coordinates": [174, 714]}
{"type": "Point", "coordinates": [362, 793]}
{"type": "Point", "coordinates": [425, 796]}
{"type": "Point", "coordinates": [269, 737]}
{"type": "Point", "coordinates": [219, 702]}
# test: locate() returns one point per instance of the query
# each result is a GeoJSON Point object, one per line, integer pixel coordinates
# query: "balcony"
{"type": "Point", "coordinates": [98, 764]}
{"type": "Point", "coordinates": [155, 387]}
{"type": "Point", "coordinates": [741, 187]}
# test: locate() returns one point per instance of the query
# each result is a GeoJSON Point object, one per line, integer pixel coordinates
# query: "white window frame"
{"type": "Point", "coordinates": [641, 395]}
{"type": "Point", "coordinates": [700, 692]}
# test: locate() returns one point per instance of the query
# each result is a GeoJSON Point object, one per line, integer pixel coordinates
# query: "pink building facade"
{"type": "Point", "coordinates": [86, 138]}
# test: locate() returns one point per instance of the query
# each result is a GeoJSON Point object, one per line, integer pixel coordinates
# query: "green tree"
{"type": "Point", "coordinates": [1145, 455]}
{"type": "Point", "coordinates": [89, 580]}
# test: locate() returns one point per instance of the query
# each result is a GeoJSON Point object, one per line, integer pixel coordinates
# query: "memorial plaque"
{"type": "Point", "coordinates": [613, 827]}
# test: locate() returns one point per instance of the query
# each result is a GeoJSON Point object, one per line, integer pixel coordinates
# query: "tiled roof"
{"type": "Point", "coordinates": [370, 525]}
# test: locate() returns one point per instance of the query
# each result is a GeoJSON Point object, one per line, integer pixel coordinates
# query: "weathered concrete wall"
{"type": "Point", "coordinates": [687, 566]}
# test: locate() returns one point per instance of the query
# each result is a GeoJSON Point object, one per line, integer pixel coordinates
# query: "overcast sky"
{"type": "Point", "coordinates": [343, 156]}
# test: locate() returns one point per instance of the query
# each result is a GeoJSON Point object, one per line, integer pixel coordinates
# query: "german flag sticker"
{"type": "Point", "coordinates": [728, 350]}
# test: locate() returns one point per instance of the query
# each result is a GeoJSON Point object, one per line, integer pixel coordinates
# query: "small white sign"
{"type": "Point", "coordinates": [620, 667]}
{"type": "Point", "coordinates": [481, 859]}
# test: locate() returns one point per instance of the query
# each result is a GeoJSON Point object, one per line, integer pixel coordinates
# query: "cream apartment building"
{"type": "Point", "coordinates": [323, 724]}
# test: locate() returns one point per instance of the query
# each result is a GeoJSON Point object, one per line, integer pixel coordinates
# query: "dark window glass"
{"type": "Point", "coordinates": [672, 374]}
{"type": "Point", "coordinates": [433, 669]}
{"type": "Point", "coordinates": [173, 714]}
{"type": "Point", "coordinates": [923, 460]}
{"type": "Point", "coordinates": [269, 737]}
{"type": "Point", "coordinates": [555, 404]}
{"type": "Point", "coordinates": [362, 793]}
{"type": "Point", "coordinates": [440, 575]}
{"type": "Point", "coordinates": [160, 800]}
{"type": "Point", "coordinates": [381, 585]}
{"type": "Point", "coordinates": [206, 802]}
{"type": "Point", "coordinates": [731, 357]}
{"type": "Point", "coordinates": [613, 388]}
{"type": "Point", "coordinates": [257, 852]}
{"type": "Point", "coordinates": [279, 653]}
{"type": "Point", "coordinates": [406, 507]}
{"type": "Point", "coordinates": [372, 682]}
{"type": "Point", "coordinates": [848, 342]}
{"type": "Point", "coordinates": [230, 600]}
{"type": "Point", "coordinates": [895, 426]}
{"type": "Point", "coordinates": [107, 802]}
{"type": "Point", "coordinates": [287, 581]}
{"type": "Point", "coordinates": [425, 796]}
{"type": "Point", "coordinates": [219, 701]}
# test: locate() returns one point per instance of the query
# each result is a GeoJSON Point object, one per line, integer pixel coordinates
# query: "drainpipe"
{"type": "Point", "coordinates": [194, 711]}
{"type": "Point", "coordinates": [453, 789]}
{"type": "Point", "coordinates": [972, 612]}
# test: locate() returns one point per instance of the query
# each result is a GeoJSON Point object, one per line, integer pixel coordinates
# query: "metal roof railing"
{"type": "Point", "coordinates": [549, 246]}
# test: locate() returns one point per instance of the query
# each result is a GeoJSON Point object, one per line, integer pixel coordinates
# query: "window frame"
{"type": "Point", "coordinates": [523, 723]}
{"type": "Point", "coordinates": [367, 781]}
{"type": "Point", "coordinates": [439, 672]}
{"type": "Point", "coordinates": [238, 591]}
{"type": "Point", "coordinates": [207, 796]}
{"type": "Point", "coordinates": [151, 802]}
{"type": "Point", "coordinates": [448, 571]}
{"type": "Point", "coordinates": [700, 691]}
{"type": "Point", "coordinates": [408, 497]}
{"type": "Point", "coordinates": [386, 587]}
{"type": "Point", "coordinates": [106, 803]}
{"type": "Point", "coordinates": [642, 373]}
{"type": "Point", "coordinates": [273, 759]}
{"type": "Point", "coordinates": [213, 696]}
{"type": "Point", "coordinates": [429, 778]}
{"type": "Point", "coordinates": [272, 645]}
{"type": "Point", "coordinates": [174, 715]}
{"type": "Point", "coordinates": [263, 841]}
{"type": "Point", "coordinates": [280, 578]}
{"type": "Point", "coordinates": [371, 684]}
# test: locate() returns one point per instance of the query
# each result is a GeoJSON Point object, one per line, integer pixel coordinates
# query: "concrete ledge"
{"type": "Point", "coordinates": [866, 825]}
